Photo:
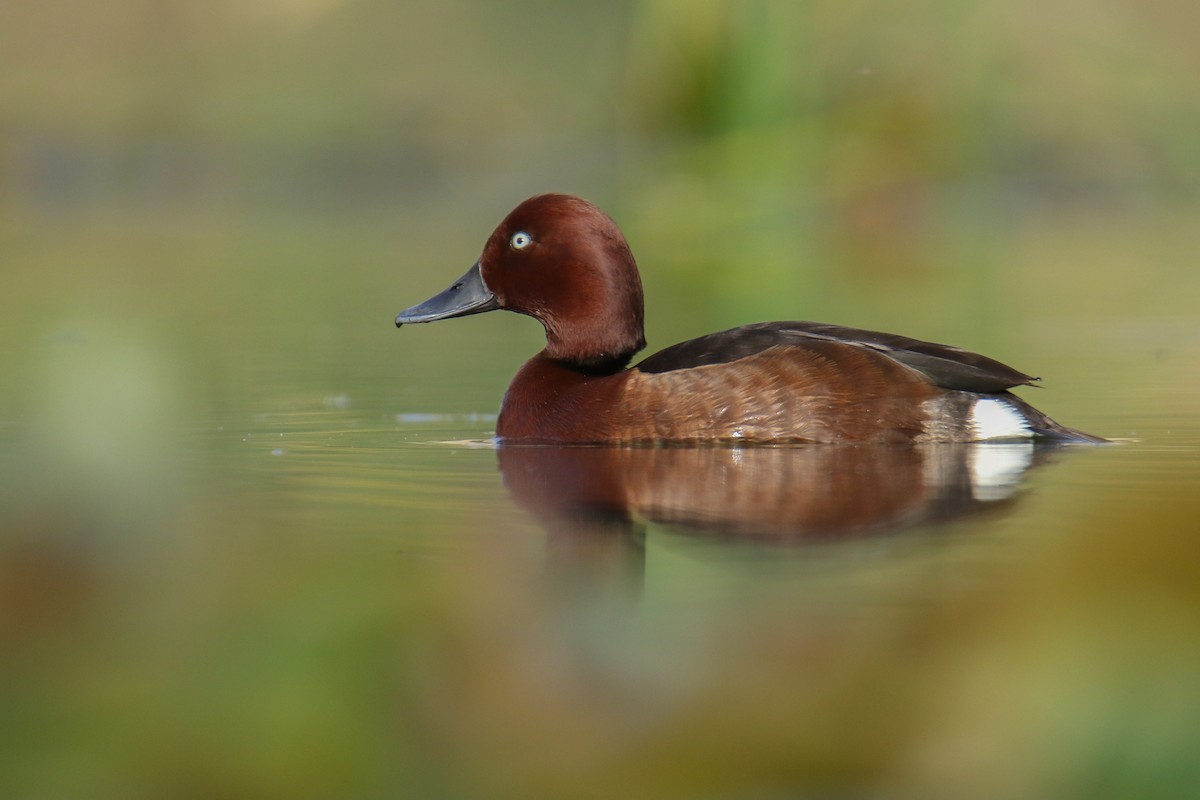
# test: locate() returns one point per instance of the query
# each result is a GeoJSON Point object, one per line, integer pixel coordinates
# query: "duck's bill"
{"type": "Point", "coordinates": [467, 295]}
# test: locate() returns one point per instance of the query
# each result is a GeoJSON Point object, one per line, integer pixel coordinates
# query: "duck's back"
{"type": "Point", "coordinates": [945, 366]}
{"type": "Point", "coordinates": [805, 381]}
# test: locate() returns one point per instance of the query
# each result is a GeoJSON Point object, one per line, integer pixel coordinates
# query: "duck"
{"type": "Point", "coordinates": [563, 261]}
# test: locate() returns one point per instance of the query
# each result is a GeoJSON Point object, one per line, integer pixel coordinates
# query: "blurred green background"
{"type": "Point", "coordinates": [238, 560]}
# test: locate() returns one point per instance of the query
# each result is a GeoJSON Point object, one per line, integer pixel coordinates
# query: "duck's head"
{"type": "Point", "coordinates": [563, 261]}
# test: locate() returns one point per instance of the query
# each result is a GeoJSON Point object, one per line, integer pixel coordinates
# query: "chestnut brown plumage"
{"type": "Point", "coordinates": [564, 262]}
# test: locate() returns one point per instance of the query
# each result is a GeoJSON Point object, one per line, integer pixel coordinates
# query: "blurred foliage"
{"type": "Point", "coordinates": [231, 565]}
{"type": "Point", "coordinates": [272, 650]}
{"type": "Point", "coordinates": [869, 139]}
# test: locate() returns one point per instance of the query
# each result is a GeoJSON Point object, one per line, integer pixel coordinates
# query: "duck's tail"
{"type": "Point", "coordinates": [1048, 430]}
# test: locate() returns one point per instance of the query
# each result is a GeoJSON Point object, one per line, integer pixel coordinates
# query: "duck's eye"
{"type": "Point", "coordinates": [520, 240]}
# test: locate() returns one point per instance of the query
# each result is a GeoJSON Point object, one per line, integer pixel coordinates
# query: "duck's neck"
{"type": "Point", "coordinates": [598, 346]}
{"type": "Point", "coordinates": [596, 366]}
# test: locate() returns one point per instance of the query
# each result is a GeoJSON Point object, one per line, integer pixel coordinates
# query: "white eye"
{"type": "Point", "coordinates": [520, 240]}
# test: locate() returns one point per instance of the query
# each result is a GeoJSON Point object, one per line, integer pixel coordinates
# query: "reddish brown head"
{"type": "Point", "coordinates": [564, 262]}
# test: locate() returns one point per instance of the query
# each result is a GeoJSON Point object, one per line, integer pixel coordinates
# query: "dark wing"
{"type": "Point", "coordinates": [947, 367]}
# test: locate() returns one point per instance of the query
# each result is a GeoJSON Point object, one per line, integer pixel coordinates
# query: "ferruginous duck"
{"type": "Point", "coordinates": [564, 262]}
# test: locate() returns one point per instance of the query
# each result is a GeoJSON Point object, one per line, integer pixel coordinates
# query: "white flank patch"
{"type": "Point", "coordinates": [995, 419]}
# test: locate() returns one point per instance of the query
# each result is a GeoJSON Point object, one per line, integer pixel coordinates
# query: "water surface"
{"type": "Point", "coordinates": [287, 544]}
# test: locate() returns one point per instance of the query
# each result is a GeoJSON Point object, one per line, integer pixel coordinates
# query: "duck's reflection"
{"type": "Point", "coordinates": [778, 494]}
{"type": "Point", "coordinates": [594, 501]}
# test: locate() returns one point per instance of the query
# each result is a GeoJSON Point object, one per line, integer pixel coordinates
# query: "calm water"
{"type": "Point", "coordinates": [319, 582]}
{"type": "Point", "coordinates": [256, 543]}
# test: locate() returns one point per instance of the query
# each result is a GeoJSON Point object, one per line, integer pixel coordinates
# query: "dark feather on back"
{"type": "Point", "coordinates": [945, 366]}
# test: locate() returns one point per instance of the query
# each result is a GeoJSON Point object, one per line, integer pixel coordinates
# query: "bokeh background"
{"type": "Point", "coordinates": [220, 576]}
